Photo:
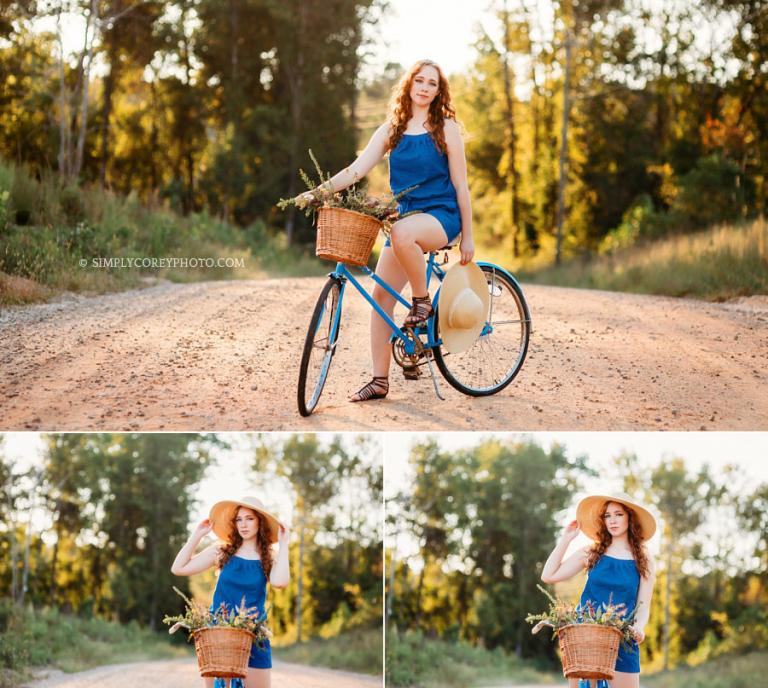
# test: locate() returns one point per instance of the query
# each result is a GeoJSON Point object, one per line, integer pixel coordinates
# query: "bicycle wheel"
{"type": "Point", "coordinates": [496, 357]}
{"type": "Point", "coordinates": [319, 346]}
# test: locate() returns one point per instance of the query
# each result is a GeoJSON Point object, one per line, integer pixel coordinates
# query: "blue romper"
{"type": "Point", "coordinates": [417, 160]}
{"type": "Point", "coordinates": [617, 581]}
{"type": "Point", "coordinates": [244, 577]}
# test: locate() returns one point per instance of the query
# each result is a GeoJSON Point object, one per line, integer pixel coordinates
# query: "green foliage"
{"type": "Point", "coordinates": [746, 671]}
{"type": "Point", "coordinates": [358, 650]}
{"type": "Point", "coordinates": [718, 264]}
{"type": "Point", "coordinates": [46, 637]}
{"type": "Point", "coordinates": [335, 586]}
{"type": "Point", "coordinates": [415, 660]}
{"type": "Point", "coordinates": [492, 509]}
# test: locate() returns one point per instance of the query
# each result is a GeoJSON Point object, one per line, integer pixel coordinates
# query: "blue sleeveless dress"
{"type": "Point", "coordinates": [616, 581]}
{"type": "Point", "coordinates": [244, 577]}
{"type": "Point", "coordinates": [417, 160]}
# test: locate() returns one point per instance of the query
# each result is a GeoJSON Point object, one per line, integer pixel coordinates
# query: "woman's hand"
{"type": "Point", "coordinates": [639, 633]}
{"type": "Point", "coordinates": [570, 531]}
{"type": "Point", "coordinates": [306, 199]}
{"type": "Point", "coordinates": [282, 536]}
{"type": "Point", "coordinates": [467, 248]}
{"type": "Point", "coordinates": [203, 528]}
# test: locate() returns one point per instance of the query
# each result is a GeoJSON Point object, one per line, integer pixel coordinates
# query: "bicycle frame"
{"type": "Point", "coordinates": [343, 275]}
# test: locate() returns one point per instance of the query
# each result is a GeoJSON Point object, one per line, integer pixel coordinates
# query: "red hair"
{"type": "Point", "coordinates": [234, 540]}
{"type": "Point", "coordinates": [634, 535]}
{"type": "Point", "coordinates": [401, 110]}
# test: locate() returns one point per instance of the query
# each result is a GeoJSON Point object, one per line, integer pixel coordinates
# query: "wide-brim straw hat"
{"type": "Point", "coordinates": [589, 514]}
{"type": "Point", "coordinates": [463, 306]}
{"type": "Point", "coordinates": [223, 513]}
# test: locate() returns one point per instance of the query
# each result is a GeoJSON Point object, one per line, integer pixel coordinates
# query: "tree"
{"type": "Point", "coordinates": [312, 471]}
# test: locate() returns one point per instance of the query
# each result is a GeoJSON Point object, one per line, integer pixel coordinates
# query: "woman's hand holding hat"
{"type": "Point", "coordinates": [467, 248]}
{"type": "Point", "coordinates": [282, 536]}
{"type": "Point", "coordinates": [570, 531]}
{"type": "Point", "coordinates": [203, 528]}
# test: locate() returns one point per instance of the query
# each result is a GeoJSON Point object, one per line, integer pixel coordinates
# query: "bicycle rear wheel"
{"type": "Point", "coordinates": [319, 346]}
{"type": "Point", "coordinates": [497, 356]}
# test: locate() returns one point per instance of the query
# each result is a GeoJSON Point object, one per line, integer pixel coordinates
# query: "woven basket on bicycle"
{"type": "Point", "coordinates": [223, 652]}
{"type": "Point", "coordinates": [589, 650]}
{"type": "Point", "coordinates": [345, 236]}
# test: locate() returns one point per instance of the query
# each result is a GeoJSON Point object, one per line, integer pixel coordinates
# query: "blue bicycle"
{"type": "Point", "coordinates": [487, 367]}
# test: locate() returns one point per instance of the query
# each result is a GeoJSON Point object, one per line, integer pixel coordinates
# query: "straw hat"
{"type": "Point", "coordinates": [223, 513]}
{"type": "Point", "coordinates": [589, 514]}
{"type": "Point", "coordinates": [464, 305]}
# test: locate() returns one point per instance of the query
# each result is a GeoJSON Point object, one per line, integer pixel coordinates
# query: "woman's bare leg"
{"type": "Point", "coordinates": [411, 238]}
{"type": "Point", "coordinates": [258, 678]}
{"type": "Point", "coordinates": [624, 680]}
{"type": "Point", "coordinates": [381, 353]}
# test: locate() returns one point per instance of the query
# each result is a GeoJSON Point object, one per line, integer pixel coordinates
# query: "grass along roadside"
{"type": "Point", "coordinates": [717, 264]}
{"type": "Point", "coordinates": [728, 671]}
{"type": "Point", "coordinates": [51, 235]}
{"type": "Point", "coordinates": [46, 637]}
{"type": "Point", "coordinates": [358, 651]}
{"type": "Point", "coordinates": [416, 661]}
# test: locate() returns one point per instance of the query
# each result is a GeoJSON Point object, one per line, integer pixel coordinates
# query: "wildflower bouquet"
{"type": "Point", "coordinates": [197, 616]}
{"type": "Point", "coordinates": [384, 210]}
{"type": "Point", "coordinates": [561, 614]}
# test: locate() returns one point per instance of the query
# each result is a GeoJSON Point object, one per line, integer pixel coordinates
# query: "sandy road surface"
{"type": "Point", "coordinates": [182, 673]}
{"type": "Point", "coordinates": [224, 356]}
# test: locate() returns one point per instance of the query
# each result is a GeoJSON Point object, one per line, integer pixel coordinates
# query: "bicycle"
{"type": "Point", "coordinates": [486, 368]}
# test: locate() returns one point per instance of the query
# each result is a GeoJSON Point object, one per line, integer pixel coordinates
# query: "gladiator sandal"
{"type": "Point", "coordinates": [421, 310]}
{"type": "Point", "coordinates": [377, 388]}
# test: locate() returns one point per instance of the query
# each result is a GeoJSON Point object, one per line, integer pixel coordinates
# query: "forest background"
{"type": "Point", "coordinates": [90, 526]}
{"type": "Point", "coordinates": [172, 127]}
{"type": "Point", "coordinates": [470, 525]}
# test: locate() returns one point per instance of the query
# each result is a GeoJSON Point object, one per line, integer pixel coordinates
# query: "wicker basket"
{"type": "Point", "coordinates": [589, 650]}
{"type": "Point", "coordinates": [345, 236]}
{"type": "Point", "coordinates": [223, 652]}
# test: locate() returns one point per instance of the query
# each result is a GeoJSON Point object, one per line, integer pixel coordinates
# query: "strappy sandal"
{"type": "Point", "coordinates": [377, 388]}
{"type": "Point", "coordinates": [420, 312]}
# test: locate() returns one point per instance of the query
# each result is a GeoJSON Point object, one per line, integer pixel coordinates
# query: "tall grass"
{"type": "Point", "coordinates": [730, 671]}
{"type": "Point", "coordinates": [414, 660]}
{"type": "Point", "coordinates": [359, 650]}
{"type": "Point", "coordinates": [36, 638]}
{"type": "Point", "coordinates": [716, 264]}
{"type": "Point", "coordinates": [47, 229]}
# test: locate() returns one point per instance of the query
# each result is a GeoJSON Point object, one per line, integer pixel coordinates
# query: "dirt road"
{"type": "Point", "coordinates": [182, 673]}
{"type": "Point", "coordinates": [224, 356]}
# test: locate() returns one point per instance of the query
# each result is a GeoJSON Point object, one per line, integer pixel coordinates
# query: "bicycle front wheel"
{"type": "Point", "coordinates": [319, 346]}
{"type": "Point", "coordinates": [497, 355]}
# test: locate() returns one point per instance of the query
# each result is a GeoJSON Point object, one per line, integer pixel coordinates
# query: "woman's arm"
{"type": "Point", "coordinates": [555, 569]}
{"type": "Point", "coordinates": [457, 167]}
{"type": "Point", "coordinates": [185, 564]}
{"type": "Point", "coordinates": [644, 594]}
{"type": "Point", "coordinates": [365, 162]}
{"type": "Point", "coordinates": [280, 574]}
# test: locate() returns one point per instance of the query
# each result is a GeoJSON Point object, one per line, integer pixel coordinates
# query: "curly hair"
{"type": "Point", "coordinates": [634, 535]}
{"type": "Point", "coordinates": [234, 540]}
{"type": "Point", "coordinates": [401, 111]}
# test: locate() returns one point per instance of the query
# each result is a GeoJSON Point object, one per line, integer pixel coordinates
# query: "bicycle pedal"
{"type": "Point", "coordinates": [412, 373]}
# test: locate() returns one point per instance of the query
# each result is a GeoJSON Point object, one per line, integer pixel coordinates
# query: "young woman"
{"type": "Point", "coordinates": [245, 563]}
{"type": "Point", "coordinates": [619, 568]}
{"type": "Point", "coordinates": [425, 148]}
